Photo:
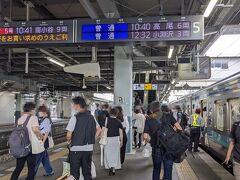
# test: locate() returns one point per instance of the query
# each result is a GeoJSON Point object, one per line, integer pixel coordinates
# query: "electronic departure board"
{"type": "Point", "coordinates": [141, 29]}
{"type": "Point", "coordinates": [36, 32]}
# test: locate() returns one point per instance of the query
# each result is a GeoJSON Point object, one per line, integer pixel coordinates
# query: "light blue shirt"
{"type": "Point", "coordinates": [71, 127]}
{"type": "Point", "coordinates": [45, 126]}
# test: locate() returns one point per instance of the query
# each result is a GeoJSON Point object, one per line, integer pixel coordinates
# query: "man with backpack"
{"type": "Point", "coordinates": [151, 133]}
{"type": "Point", "coordinates": [21, 144]}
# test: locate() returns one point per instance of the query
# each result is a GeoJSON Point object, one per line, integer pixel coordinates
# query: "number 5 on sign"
{"type": "Point", "coordinates": [148, 87]}
{"type": "Point", "coordinates": [196, 27]}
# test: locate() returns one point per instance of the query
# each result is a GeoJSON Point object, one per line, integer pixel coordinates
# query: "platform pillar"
{"type": "Point", "coordinates": [59, 107]}
{"type": "Point", "coordinates": [18, 110]}
{"type": "Point", "coordinates": [123, 74]}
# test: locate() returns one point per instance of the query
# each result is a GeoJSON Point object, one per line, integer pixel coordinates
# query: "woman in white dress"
{"type": "Point", "coordinates": [112, 160]}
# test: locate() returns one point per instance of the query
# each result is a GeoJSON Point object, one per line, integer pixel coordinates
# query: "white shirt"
{"type": "Point", "coordinates": [140, 122]}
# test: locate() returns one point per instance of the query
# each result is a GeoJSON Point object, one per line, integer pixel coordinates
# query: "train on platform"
{"type": "Point", "coordinates": [220, 104]}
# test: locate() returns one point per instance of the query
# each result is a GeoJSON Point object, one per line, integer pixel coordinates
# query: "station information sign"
{"type": "Point", "coordinates": [36, 32]}
{"type": "Point", "coordinates": [145, 87]}
{"type": "Point", "coordinates": [141, 29]}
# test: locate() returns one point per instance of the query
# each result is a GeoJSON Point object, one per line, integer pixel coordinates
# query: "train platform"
{"type": "Point", "coordinates": [199, 166]}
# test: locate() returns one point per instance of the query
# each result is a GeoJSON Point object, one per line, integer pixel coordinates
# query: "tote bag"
{"type": "Point", "coordinates": [37, 145]}
{"type": "Point", "coordinates": [50, 141]}
{"type": "Point", "coordinates": [103, 140]}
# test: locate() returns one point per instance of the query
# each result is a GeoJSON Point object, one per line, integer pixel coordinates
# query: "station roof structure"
{"type": "Point", "coordinates": [44, 73]}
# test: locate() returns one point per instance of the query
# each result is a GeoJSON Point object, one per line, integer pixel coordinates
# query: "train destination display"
{"type": "Point", "coordinates": [36, 32]}
{"type": "Point", "coordinates": [142, 29]}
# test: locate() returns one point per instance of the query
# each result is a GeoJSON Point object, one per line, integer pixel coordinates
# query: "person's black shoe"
{"type": "Point", "coordinates": [196, 150]}
{"type": "Point", "coordinates": [49, 175]}
{"type": "Point", "coordinates": [111, 172]}
{"type": "Point", "coordinates": [190, 150]}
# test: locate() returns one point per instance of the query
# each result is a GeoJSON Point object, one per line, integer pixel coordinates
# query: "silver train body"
{"type": "Point", "coordinates": [220, 104]}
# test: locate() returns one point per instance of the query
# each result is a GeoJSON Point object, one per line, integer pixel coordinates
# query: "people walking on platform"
{"type": "Point", "coordinates": [29, 120]}
{"type": "Point", "coordinates": [45, 128]}
{"type": "Point", "coordinates": [125, 124]}
{"type": "Point", "coordinates": [97, 111]}
{"type": "Point", "coordinates": [139, 127]}
{"type": "Point", "coordinates": [152, 126]}
{"type": "Point", "coordinates": [234, 148]}
{"type": "Point", "coordinates": [112, 160]}
{"type": "Point", "coordinates": [196, 123]}
{"type": "Point", "coordinates": [103, 114]}
{"type": "Point", "coordinates": [82, 129]}
{"type": "Point", "coordinates": [181, 117]}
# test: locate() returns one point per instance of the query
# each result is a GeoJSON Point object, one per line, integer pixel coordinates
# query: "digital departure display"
{"type": "Point", "coordinates": [36, 32]}
{"type": "Point", "coordinates": [144, 29]}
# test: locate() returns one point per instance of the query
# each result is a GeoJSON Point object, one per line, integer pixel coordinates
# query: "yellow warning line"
{"type": "Point", "coordinates": [185, 172]}
{"type": "Point", "coordinates": [53, 157]}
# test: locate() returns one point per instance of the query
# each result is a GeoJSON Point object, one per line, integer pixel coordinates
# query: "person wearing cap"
{"type": "Point", "coordinates": [196, 124]}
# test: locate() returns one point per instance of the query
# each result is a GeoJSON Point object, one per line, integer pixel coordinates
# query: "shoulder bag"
{"type": "Point", "coordinates": [103, 140]}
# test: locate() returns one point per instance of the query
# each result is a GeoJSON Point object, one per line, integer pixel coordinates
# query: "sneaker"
{"type": "Point", "coordinates": [196, 150]}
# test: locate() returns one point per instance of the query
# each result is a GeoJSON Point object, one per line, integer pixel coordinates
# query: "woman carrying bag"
{"type": "Point", "coordinates": [35, 138]}
{"type": "Point", "coordinates": [114, 142]}
{"type": "Point", "coordinates": [45, 128]}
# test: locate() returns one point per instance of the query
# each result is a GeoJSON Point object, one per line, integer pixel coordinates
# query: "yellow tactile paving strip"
{"type": "Point", "coordinates": [185, 172]}
{"type": "Point", "coordinates": [53, 157]}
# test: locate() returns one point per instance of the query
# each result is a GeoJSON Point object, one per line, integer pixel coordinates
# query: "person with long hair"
{"type": "Point", "coordinates": [125, 124]}
{"type": "Point", "coordinates": [139, 127]}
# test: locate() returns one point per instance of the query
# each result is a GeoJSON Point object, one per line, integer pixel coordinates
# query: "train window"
{"type": "Point", "coordinates": [234, 110]}
{"type": "Point", "coordinates": [220, 116]}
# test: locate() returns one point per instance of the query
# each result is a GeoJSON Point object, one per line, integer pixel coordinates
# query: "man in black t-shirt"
{"type": "Point", "coordinates": [234, 147]}
{"type": "Point", "coordinates": [150, 133]}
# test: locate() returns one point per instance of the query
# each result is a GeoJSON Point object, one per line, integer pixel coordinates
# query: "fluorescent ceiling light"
{"type": "Point", "coordinates": [55, 61]}
{"type": "Point", "coordinates": [226, 45]}
{"type": "Point", "coordinates": [170, 52]}
{"type": "Point", "coordinates": [108, 87]}
{"type": "Point", "coordinates": [210, 7]}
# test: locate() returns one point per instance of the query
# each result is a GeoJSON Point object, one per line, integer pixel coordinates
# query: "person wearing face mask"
{"type": "Point", "coordinates": [45, 128]}
{"type": "Point", "coordinates": [32, 128]}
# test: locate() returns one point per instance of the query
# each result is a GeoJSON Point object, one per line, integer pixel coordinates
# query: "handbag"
{"type": "Point", "coordinates": [103, 140]}
{"type": "Point", "coordinates": [37, 145]}
{"type": "Point", "coordinates": [50, 141]}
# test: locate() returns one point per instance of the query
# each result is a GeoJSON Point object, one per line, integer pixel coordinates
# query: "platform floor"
{"type": "Point", "coordinates": [201, 167]}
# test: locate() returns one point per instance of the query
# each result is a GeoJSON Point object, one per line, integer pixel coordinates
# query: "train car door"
{"type": "Point", "coordinates": [234, 112]}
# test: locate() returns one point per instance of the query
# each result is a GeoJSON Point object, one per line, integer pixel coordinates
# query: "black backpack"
{"type": "Point", "coordinates": [19, 142]}
{"type": "Point", "coordinates": [175, 143]}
